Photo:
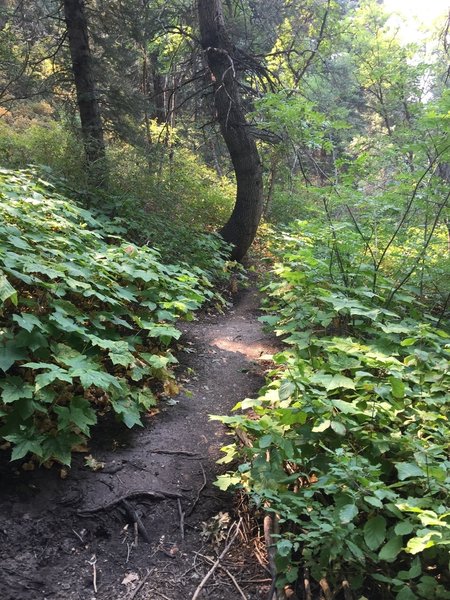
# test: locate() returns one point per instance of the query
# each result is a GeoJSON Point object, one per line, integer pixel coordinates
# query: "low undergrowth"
{"type": "Point", "coordinates": [87, 319]}
{"type": "Point", "coordinates": [349, 438]}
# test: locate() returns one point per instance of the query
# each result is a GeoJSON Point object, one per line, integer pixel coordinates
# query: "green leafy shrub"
{"type": "Point", "coordinates": [164, 197]}
{"type": "Point", "coordinates": [33, 136]}
{"type": "Point", "coordinates": [87, 319]}
{"type": "Point", "coordinates": [350, 435]}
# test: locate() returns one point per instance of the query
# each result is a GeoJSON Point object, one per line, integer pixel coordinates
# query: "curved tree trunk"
{"type": "Point", "coordinates": [88, 106]}
{"type": "Point", "coordinates": [240, 230]}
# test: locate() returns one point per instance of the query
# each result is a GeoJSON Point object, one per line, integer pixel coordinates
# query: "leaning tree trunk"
{"type": "Point", "coordinates": [87, 98]}
{"type": "Point", "coordinates": [240, 230]}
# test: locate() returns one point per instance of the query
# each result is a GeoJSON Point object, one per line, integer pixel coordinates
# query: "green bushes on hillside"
{"type": "Point", "coordinates": [87, 319]}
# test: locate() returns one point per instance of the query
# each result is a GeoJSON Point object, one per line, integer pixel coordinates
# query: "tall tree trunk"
{"type": "Point", "coordinates": [240, 230]}
{"type": "Point", "coordinates": [87, 98]}
{"type": "Point", "coordinates": [3, 13]}
{"type": "Point", "coordinates": [159, 91]}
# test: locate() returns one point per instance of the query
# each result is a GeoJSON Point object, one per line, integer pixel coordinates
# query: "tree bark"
{"type": "Point", "coordinates": [240, 230]}
{"type": "Point", "coordinates": [159, 93]}
{"type": "Point", "coordinates": [87, 98]}
{"type": "Point", "coordinates": [3, 13]}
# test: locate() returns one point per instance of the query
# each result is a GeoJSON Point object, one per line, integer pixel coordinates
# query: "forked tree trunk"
{"type": "Point", "coordinates": [240, 230]}
{"type": "Point", "coordinates": [87, 99]}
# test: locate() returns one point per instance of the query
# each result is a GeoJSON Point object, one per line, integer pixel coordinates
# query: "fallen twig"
{"type": "Point", "coordinates": [197, 498]}
{"type": "Point", "coordinates": [129, 548]}
{"type": "Point", "coordinates": [78, 536]}
{"type": "Point", "coordinates": [136, 520]}
{"type": "Point", "coordinates": [176, 452]}
{"type": "Point", "coordinates": [136, 534]}
{"type": "Point", "coordinates": [203, 582]}
{"type": "Point", "coordinates": [159, 495]}
{"type": "Point", "coordinates": [160, 594]}
{"type": "Point", "coordinates": [181, 513]}
{"type": "Point", "coordinates": [140, 586]}
{"type": "Point", "coordinates": [230, 575]}
{"type": "Point", "coordinates": [93, 563]}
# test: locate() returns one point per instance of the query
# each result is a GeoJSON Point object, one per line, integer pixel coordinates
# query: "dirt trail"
{"type": "Point", "coordinates": [46, 544]}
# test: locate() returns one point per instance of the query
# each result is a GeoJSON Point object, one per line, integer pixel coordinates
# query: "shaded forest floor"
{"type": "Point", "coordinates": [59, 535]}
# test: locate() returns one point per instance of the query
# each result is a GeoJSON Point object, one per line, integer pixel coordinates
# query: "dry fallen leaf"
{"type": "Point", "coordinates": [28, 466]}
{"type": "Point", "coordinates": [93, 464]}
{"type": "Point", "coordinates": [63, 473]}
{"type": "Point", "coordinates": [80, 448]}
{"type": "Point", "coordinates": [129, 578]}
{"type": "Point", "coordinates": [171, 388]}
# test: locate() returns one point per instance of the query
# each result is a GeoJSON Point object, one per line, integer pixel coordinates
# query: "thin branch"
{"type": "Point", "coordinates": [420, 255]}
{"type": "Point", "coordinates": [205, 579]}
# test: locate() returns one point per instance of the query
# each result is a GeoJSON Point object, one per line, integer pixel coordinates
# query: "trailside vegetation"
{"type": "Point", "coordinates": [347, 445]}
{"type": "Point", "coordinates": [87, 319]}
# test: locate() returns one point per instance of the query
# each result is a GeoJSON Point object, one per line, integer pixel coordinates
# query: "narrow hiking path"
{"type": "Point", "coordinates": [59, 535]}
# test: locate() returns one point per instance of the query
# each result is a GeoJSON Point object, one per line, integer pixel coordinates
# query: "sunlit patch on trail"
{"type": "Point", "coordinates": [252, 349]}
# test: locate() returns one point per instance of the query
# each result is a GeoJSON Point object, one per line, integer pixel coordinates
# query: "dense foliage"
{"type": "Point", "coordinates": [87, 319]}
{"type": "Point", "coordinates": [350, 435]}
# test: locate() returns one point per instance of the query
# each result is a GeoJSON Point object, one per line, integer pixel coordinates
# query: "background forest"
{"type": "Point", "coordinates": [124, 128]}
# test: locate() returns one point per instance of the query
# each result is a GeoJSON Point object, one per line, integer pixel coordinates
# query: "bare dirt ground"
{"type": "Point", "coordinates": [65, 538]}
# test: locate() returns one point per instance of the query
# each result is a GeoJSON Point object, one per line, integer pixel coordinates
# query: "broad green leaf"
{"type": "Point", "coordinates": [322, 426]}
{"type": "Point", "coordinates": [292, 416]}
{"type": "Point", "coordinates": [287, 388]}
{"type": "Point", "coordinates": [78, 413]}
{"type": "Point", "coordinates": [348, 513]}
{"type": "Point", "coordinates": [346, 407]}
{"type": "Point", "coordinates": [9, 354]}
{"type": "Point", "coordinates": [128, 412]}
{"type": "Point", "coordinates": [15, 388]}
{"type": "Point", "coordinates": [338, 427]}
{"type": "Point", "coordinates": [146, 398]}
{"type": "Point", "coordinates": [355, 550]}
{"type": "Point", "coordinates": [28, 321]}
{"type": "Point", "coordinates": [340, 381]}
{"type": "Point", "coordinates": [265, 441]}
{"type": "Point", "coordinates": [403, 528]}
{"type": "Point", "coordinates": [391, 549]}
{"type": "Point", "coordinates": [375, 532]}
{"type": "Point", "coordinates": [421, 543]}
{"type": "Point", "coordinates": [156, 361]}
{"type": "Point", "coordinates": [398, 387]}
{"type": "Point", "coordinates": [373, 501]}
{"type": "Point", "coordinates": [100, 379]}
{"type": "Point", "coordinates": [56, 373]}
{"type": "Point", "coordinates": [224, 482]}
{"type": "Point", "coordinates": [28, 441]}
{"type": "Point", "coordinates": [284, 547]}
{"type": "Point", "coordinates": [407, 469]}
{"type": "Point", "coordinates": [60, 447]}
{"type": "Point", "coordinates": [7, 292]}
{"type": "Point", "coordinates": [406, 594]}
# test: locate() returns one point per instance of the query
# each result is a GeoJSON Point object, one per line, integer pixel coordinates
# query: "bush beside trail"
{"type": "Point", "coordinates": [349, 438]}
{"type": "Point", "coordinates": [87, 318]}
